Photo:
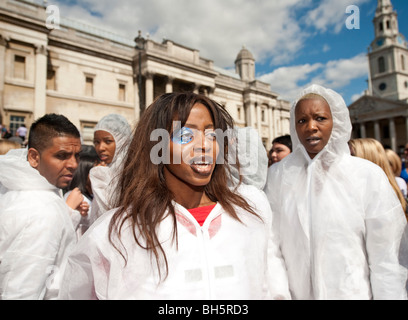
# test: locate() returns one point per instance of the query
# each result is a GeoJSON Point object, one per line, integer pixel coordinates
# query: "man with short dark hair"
{"type": "Point", "coordinates": [36, 233]}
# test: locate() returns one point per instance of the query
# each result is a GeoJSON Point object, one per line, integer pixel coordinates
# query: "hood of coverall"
{"type": "Point", "coordinates": [338, 142]}
{"type": "Point", "coordinates": [252, 158]}
{"type": "Point", "coordinates": [120, 130]}
{"type": "Point", "coordinates": [17, 174]}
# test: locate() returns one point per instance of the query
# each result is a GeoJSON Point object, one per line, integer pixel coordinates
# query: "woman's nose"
{"type": "Point", "coordinates": [312, 125]}
{"type": "Point", "coordinates": [201, 141]}
{"type": "Point", "coordinates": [101, 146]}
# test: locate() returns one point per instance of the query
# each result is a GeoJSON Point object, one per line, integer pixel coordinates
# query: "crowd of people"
{"type": "Point", "coordinates": [204, 211]}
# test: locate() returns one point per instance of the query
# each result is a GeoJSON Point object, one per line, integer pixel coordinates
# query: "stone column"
{"type": "Point", "coordinates": [258, 119]}
{"type": "Point", "coordinates": [253, 115]}
{"type": "Point", "coordinates": [393, 135]}
{"type": "Point", "coordinates": [363, 132]}
{"type": "Point", "coordinates": [3, 45]}
{"type": "Point", "coordinates": [377, 132]}
{"type": "Point", "coordinates": [149, 90]}
{"type": "Point", "coordinates": [40, 81]}
{"type": "Point", "coordinates": [136, 98]}
{"type": "Point", "coordinates": [196, 88]}
{"type": "Point", "coordinates": [169, 84]}
{"type": "Point", "coordinates": [270, 121]}
{"type": "Point", "coordinates": [250, 114]}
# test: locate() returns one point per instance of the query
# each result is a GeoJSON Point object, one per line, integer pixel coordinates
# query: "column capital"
{"type": "Point", "coordinates": [148, 75]}
{"type": "Point", "coordinates": [40, 49]}
{"type": "Point", "coordinates": [4, 40]}
{"type": "Point", "coordinates": [170, 79]}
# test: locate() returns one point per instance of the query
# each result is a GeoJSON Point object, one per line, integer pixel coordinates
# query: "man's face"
{"type": "Point", "coordinates": [58, 162]}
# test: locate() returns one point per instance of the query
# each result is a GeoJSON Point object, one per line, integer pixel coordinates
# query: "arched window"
{"type": "Point", "coordinates": [381, 64]}
{"type": "Point", "coordinates": [402, 62]}
{"type": "Point", "coordinates": [381, 26]}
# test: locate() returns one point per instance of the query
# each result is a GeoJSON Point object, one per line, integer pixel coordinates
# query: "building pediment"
{"type": "Point", "coordinates": [369, 107]}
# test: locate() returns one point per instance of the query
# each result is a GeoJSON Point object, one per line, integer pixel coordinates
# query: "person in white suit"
{"type": "Point", "coordinates": [36, 232]}
{"type": "Point", "coordinates": [112, 135]}
{"type": "Point", "coordinates": [340, 223]}
{"type": "Point", "coordinates": [178, 230]}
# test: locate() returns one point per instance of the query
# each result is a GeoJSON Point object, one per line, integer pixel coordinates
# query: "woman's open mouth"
{"type": "Point", "coordinates": [202, 166]}
{"type": "Point", "coordinates": [313, 141]}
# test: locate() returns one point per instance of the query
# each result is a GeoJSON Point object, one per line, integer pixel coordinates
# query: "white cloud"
{"type": "Point", "coordinates": [219, 29]}
{"type": "Point", "coordinates": [330, 15]}
{"type": "Point", "coordinates": [326, 48]}
{"type": "Point", "coordinates": [339, 73]}
{"type": "Point", "coordinates": [275, 31]}
{"type": "Point", "coordinates": [286, 81]}
{"type": "Point", "coordinates": [357, 96]}
{"type": "Point", "coordinates": [335, 74]}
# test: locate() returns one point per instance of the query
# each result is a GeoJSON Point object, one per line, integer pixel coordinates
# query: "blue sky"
{"type": "Point", "coordinates": [294, 42]}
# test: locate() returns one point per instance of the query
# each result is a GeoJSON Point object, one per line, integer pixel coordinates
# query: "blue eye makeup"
{"type": "Point", "coordinates": [186, 135]}
{"type": "Point", "coordinates": [183, 136]}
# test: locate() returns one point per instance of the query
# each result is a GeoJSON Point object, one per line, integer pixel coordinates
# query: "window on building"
{"type": "Point", "coordinates": [51, 85]}
{"type": "Point", "coordinates": [19, 67]}
{"type": "Point", "coordinates": [89, 86]}
{"type": "Point", "coordinates": [239, 111]}
{"type": "Point", "coordinates": [402, 62]}
{"type": "Point", "coordinates": [15, 123]}
{"type": "Point", "coordinates": [122, 92]}
{"type": "Point", "coordinates": [381, 64]}
{"type": "Point", "coordinates": [381, 26]}
{"type": "Point", "coordinates": [263, 117]}
{"type": "Point", "coordinates": [388, 24]}
{"type": "Point", "coordinates": [87, 132]}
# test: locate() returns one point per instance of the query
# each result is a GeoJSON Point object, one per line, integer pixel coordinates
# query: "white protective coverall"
{"type": "Point", "coordinates": [104, 179]}
{"type": "Point", "coordinates": [223, 259]}
{"type": "Point", "coordinates": [339, 221]}
{"type": "Point", "coordinates": [36, 232]}
{"type": "Point", "coordinates": [252, 157]}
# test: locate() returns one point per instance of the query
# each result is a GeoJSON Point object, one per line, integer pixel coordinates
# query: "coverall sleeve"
{"type": "Point", "coordinates": [101, 179]}
{"type": "Point", "coordinates": [385, 224]}
{"type": "Point", "coordinates": [26, 267]}
{"type": "Point", "coordinates": [86, 275]}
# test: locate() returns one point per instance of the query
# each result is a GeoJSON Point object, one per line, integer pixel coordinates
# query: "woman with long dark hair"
{"type": "Point", "coordinates": [178, 230]}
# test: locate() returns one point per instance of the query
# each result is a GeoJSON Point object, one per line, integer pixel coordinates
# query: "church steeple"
{"type": "Point", "coordinates": [388, 55]}
{"type": "Point", "coordinates": [384, 5]}
{"type": "Point", "coordinates": [385, 24]}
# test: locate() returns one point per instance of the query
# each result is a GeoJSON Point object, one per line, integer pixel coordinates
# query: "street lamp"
{"type": "Point", "coordinates": [140, 45]}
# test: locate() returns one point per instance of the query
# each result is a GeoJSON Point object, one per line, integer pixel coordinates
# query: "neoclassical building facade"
{"type": "Point", "coordinates": [382, 113]}
{"type": "Point", "coordinates": [86, 73]}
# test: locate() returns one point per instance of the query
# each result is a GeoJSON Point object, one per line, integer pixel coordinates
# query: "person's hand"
{"type": "Point", "coordinates": [74, 199]}
{"type": "Point", "coordinates": [101, 164]}
{"type": "Point", "coordinates": [83, 208]}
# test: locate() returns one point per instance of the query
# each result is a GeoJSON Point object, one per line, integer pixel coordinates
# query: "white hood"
{"type": "Point", "coordinates": [338, 143]}
{"type": "Point", "coordinates": [252, 157]}
{"type": "Point", "coordinates": [19, 174]}
{"type": "Point", "coordinates": [120, 130]}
